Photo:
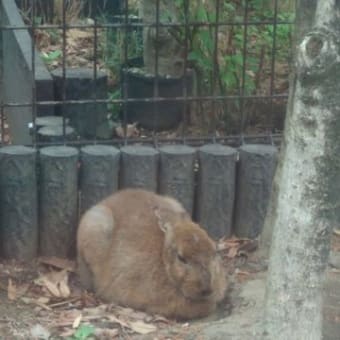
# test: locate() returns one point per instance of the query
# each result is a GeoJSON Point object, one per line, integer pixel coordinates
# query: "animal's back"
{"type": "Point", "coordinates": [121, 249]}
{"type": "Point", "coordinates": [135, 218]}
{"type": "Point", "coordinates": [127, 236]}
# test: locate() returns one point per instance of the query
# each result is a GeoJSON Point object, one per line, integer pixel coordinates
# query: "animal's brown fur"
{"type": "Point", "coordinates": [142, 250]}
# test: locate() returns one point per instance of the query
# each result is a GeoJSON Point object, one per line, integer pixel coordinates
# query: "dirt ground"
{"type": "Point", "coordinates": [44, 300]}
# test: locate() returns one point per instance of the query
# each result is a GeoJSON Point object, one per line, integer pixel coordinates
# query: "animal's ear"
{"type": "Point", "coordinates": [166, 227]}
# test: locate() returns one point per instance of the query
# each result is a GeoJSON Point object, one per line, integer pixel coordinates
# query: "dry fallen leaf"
{"type": "Point", "coordinates": [114, 319]}
{"type": "Point", "coordinates": [106, 333]}
{"type": "Point", "coordinates": [77, 321]}
{"type": "Point", "coordinates": [40, 302]}
{"type": "Point", "coordinates": [141, 327]}
{"type": "Point", "coordinates": [336, 232]}
{"type": "Point", "coordinates": [15, 291]}
{"type": "Point", "coordinates": [11, 290]}
{"type": "Point", "coordinates": [234, 247]}
{"type": "Point", "coordinates": [76, 34]}
{"type": "Point", "coordinates": [131, 131]}
{"type": "Point", "coordinates": [232, 252]}
{"type": "Point", "coordinates": [56, 282]}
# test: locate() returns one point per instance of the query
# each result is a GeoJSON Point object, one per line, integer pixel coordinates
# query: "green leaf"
{"type": "Point", "coordinates": [52, 56]}
{"type": "Point", "coordinates": [207, 41]}
{"type": "Point", "coordinates": [83, 332]}
{"type": "Point", "coordinates": [202, 14]}
{"type": "Point", "coordinates": [37, 20]}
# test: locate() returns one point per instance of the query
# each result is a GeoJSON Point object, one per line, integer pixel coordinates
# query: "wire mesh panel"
{"type": "Point", "coordinates": [156, 71]}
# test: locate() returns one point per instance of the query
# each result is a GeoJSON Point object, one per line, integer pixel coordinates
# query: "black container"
{"type": "Point", "coordinates": [100, 7]}
{"type": "Point", "coordinates": [154, 115]}
{"type": "Point", "coordinates": [85, 118]}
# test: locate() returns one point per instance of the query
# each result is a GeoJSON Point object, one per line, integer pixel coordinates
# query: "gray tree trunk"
{"type": "Point", "coordinates": [306, 195]}
{"type": "Point", "coordinates": [305, 14]}
{"type": "Point", "coordinates": [169, 50]}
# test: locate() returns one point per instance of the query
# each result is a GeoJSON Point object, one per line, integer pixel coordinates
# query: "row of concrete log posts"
{"type": "Point", "coordinates": [44, 192]}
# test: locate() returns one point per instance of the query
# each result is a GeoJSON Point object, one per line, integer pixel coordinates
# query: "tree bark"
{"type": "Point", "coordinates": [305, 16]}
{"type": "Point", "coordinates": [307, 184]}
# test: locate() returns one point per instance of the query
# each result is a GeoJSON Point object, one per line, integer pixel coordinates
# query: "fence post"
{"type": "Point", "coordinates": [139, 167]}
{"type": "Point", "coordinates": [98, 174]}
{"type": "Point", "coordinates": [18, 202]}
{"type": "Point", "coordinates": [255, 173]}
{"type": "Point", "coordinates": [58, 200]}
{"type": "Point", "coordinates": [177, 173]}
{"type": "Point", "coordinates": [216, 189]}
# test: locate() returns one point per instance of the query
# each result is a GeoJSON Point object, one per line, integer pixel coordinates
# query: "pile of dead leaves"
{"type": "Point", "coordinates": [79, 47]}
{"type": "Point", "coordinates": [68, 311]}
{"type": "Point", "coordinates": [61, 308]}
{"type": "Point", "coordinates": [236, 253]}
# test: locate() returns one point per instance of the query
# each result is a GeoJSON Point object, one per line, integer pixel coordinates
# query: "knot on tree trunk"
{"type": "Point", "coordinates": [318, 55]}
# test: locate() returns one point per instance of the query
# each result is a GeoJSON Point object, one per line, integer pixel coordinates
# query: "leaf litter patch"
{"type": "Point", "coordinates": [48, 302]}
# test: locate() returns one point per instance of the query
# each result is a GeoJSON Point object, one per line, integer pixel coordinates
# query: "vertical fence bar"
{"type": "Point", "coordinates": [185, 105]}
{"type": "Point", "coordinates": [58, 200]}
{"type": "Point", "coordinates": [255, 173]}
{"type": "Point", "coordinates": [2, 120]}
{"type": "Point", "coordinates": [95, 43]}
{"type": "Point", "coordinates": [155, 104]}
{"type": "Point", "coordinates": [215, 68]}
{"type": "Point", "coordinates": [139, 167]}
{"type": "Point", "coordinates": [98, 173]}
{"type": "Point", "coordinates": [273, 60]}
{"type": "Point", "coordinates": [216, 189]}
{"type": "Point", "coordinates": [124, 73]}
{"type": "Point", "coordinates": [244, 64]}
{"type": "Point", "coordinates": [176, 176]}
{"type": "Point", "coordinates": [18, 202]}
{"type": "Point", "coordinates": [63, 71]}
{"type": "Point", "coordinates": [34, 90]}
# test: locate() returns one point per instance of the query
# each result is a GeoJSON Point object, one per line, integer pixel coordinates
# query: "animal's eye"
{"type": "Point", "coordinates": [181, 258]}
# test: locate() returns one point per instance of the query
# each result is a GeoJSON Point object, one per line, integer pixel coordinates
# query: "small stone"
{"type": "Point", "coordinates": [39, 332]}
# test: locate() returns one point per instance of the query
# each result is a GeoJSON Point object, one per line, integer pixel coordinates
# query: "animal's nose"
{"type": "Point", "coordinates": [206, 292]}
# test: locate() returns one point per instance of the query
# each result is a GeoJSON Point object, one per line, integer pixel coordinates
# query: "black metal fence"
{"type": "Point", "coordinates": [100, 67]}
{"type": "Point", "coordinates": [188, 96]}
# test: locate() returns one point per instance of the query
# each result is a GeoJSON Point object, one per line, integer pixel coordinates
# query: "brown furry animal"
{"type": "Point", "coordinates": [142, 250]}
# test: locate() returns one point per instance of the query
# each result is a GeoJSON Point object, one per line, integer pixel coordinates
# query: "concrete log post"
{"type": "Point", "coordinates": [216, 189]}
{"type": "Point", "coordinates": [257, 163]}
{"type": "Point", "coordinates": [58, 200]}
{"type": "Point", "coordinates": [139, 167]}
{"type": "Point", "coordinates": [18, 203]}
{"type": "Point", "coordinates": [99, 174]}
{"type": "Point", "coordinates": [177, 173]}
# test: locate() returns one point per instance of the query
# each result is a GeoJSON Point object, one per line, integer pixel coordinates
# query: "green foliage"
{"type": "Point", "coordinates": [51, 56]}
{"type": "Point", "coordinates": [114, 108]}
{"type": "Point", "coordinates": [231, 54]}
{"type": "Point", "coordinates": [231, 65]}
{"type": "Point", "coordinates": [117, 44]}
{"type": "Point", "coordinates": [114, 53]}
{"type": "Point", "coordinates": [83, 333]}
